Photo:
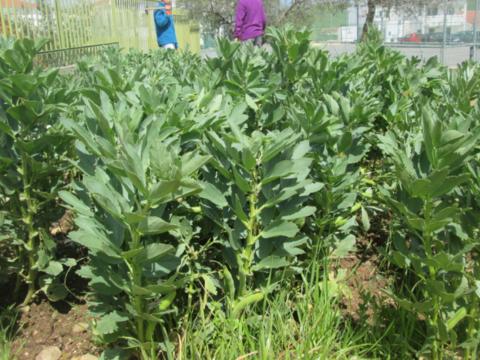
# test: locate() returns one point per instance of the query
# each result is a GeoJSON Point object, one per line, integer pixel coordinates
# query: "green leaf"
{"type": "Point", "coordinates": [212, 194]}
{"type": "Point", "coordinates": [251, 103]}
{"type": "Point", "coordinates": [163, 189]}
{"type": "Point", "coordinates": [300, 214]}
{"type": "Point", "coordinates": [280, 228]}
{"type": "Point", "coordinates": [446, 213]}
{"type": "Point", "coordinates": [93, 239]}
{"type": "Point", "coordinates": [130, 254]}
{"type": "Point", "coordinates": [133, 218]}
{"type": "Point", "coordinates": [188, 187]}
{"type": "Point", "coordinates": [54, 268]}
{"type": "Point", "coordinates": [436, 289]}
{"type": "Point", "coordinates": [345, 246]}
{"type": "Point", "coordinates": [154, 252]}
{"type": "Point", "coordinates": [420, 188]}
{"type": "Point", "coordinates": [331, 104]}
{"type": "Point", "coordinates": [69, 262]}
{"type": "Point", "coordinates": [444, 262]}
{"type": "Point", "coordinates": [448, 185]}
{"type": "Point", "coordinates": [102, 119]}
{"type": "Point", "coordinates": [311, 188]}
{"type": "Point", "coordinates": [271, 262]}
{"type": "Point", "coordinates": [241, 182]}
{"type": "Point", "coordinates": [293, 50]}
{"type": "Point", "coordinates": [293, 248]}
{"type": "Point", "coordinates": [421, 307]}
{"type": "Point", "coordinates": [463, 289]}
{"type": "Point", "coordinates": [154, 225]}
{"type": "Point", "coordinates": [114, 354]}
{"type": "Point", "coordinates": [280, 170]}
{"type": "Point", "coordinates": [110, 323]}
{"type": "Point", "coordinates": [248, 160]}
{"type": "Point", "coordinates": [75, 203]}
{"type": "Point", "coordinates": [210, 284]}
{"type": "Point", "coordinates": [301, 149]}
{"type": "Point", "coordinates": [345, 142]}
{"type": "Point", "coordinates": [365, 220]}
{"type": "Point", "coordinates": [55, 291]}
{"type": "Point", "coordinates": [428, 137]}
{"type": "Point", "coordinates": [192, 161]}
{"type": "Point", "coordinates": [281, 141]}
{"type": "Point", "coordinates": [238, 208]}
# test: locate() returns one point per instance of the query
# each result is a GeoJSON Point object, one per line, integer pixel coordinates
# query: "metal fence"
{"type": "Point", "coordinates": [448, 30]}
{"type": "Point", "coordinates": [74, 26]}
{"type": "Point", "coordinates": [65, 57]}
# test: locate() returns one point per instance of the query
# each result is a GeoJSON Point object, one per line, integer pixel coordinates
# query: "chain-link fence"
{"type": "Point", "coordinates": [448, 30]}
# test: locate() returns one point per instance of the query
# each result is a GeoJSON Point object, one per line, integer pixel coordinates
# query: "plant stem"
{"type": "Point", "coordinates": [136, 276]}
{"type": "Point", "coordinates": [242, 275]}
{"type": "Point", "coordinates": [427, 241]}
{"type": "Point", "coordinates": [32, 246]}
{"type": "Point", "coordinates": [471, 354]}
{"type": "Point", "coordinates": [246, 259]}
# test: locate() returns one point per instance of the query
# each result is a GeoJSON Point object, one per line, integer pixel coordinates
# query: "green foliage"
{"type": "Point", "coordinates": [8, 319]}
{"type": "Point", "coordinates": [431, 170]}
{"type": "Point", "coordinates": [256, 192]}
{"type": "Point", "coordinates": [33, 166]}
{"type": "Point", "coordinates": [206, 191]}
{"type": "Point", "coordinates": [273, 330]}
{"type": "Point", "coordinates": [133, 175]}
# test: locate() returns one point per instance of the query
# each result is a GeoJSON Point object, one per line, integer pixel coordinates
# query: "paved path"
{"type": "Point", "coordinates": [453, 55]}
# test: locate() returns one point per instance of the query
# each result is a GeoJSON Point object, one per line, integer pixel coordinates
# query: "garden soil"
{"type": "Point", "coordinates": [42, 326]}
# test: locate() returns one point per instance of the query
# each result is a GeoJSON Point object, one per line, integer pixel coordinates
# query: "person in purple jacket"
{"type": "Point", "coordinates": [250, 21]}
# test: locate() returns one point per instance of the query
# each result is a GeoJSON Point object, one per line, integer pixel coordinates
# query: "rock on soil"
{"type": "Point", "coordinates": [85, 357]}
{"type": "Point", "coordinates": [49, 353]}
{"type": "Point", "coordinates": [80, 328]}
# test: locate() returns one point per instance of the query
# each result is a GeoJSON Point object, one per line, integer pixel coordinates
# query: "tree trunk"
{"type": "Point", "coordinates": [370, 17]}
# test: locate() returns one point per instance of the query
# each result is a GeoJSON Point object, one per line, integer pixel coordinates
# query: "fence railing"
{"type": "Point", "coordinates": [64, 57]}
{"type": "Point", "coordinates": [74, 24]}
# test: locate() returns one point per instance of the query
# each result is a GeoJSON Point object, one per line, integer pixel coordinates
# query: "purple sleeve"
{"type": "Point", "coordinates": [239, 17]}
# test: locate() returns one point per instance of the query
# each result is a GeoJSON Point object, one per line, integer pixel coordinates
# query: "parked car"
{"type": "Point", "coordinates": [433, 37]}
{"type": "Point", "coordinates": [453, 38]}
{"type": "Point", "coordinates": [414, 37]}
{"type": "Point", "coordinates": [467, 36]}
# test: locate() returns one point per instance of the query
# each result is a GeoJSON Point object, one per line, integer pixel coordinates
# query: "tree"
{"type": "Point", "coordinates": [217, 16]}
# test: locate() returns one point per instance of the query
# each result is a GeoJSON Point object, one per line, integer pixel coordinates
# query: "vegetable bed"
{"type": "Point", "coordinates": [219, 208]}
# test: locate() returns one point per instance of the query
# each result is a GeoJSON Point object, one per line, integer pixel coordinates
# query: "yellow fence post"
{"type": "Point", "coordinates": [59, 24]}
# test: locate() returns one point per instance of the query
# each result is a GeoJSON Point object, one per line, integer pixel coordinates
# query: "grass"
{"type": "Point", "coordinates": [8, 319]}
{"type": "Point", "coordinates": [303, 322]}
